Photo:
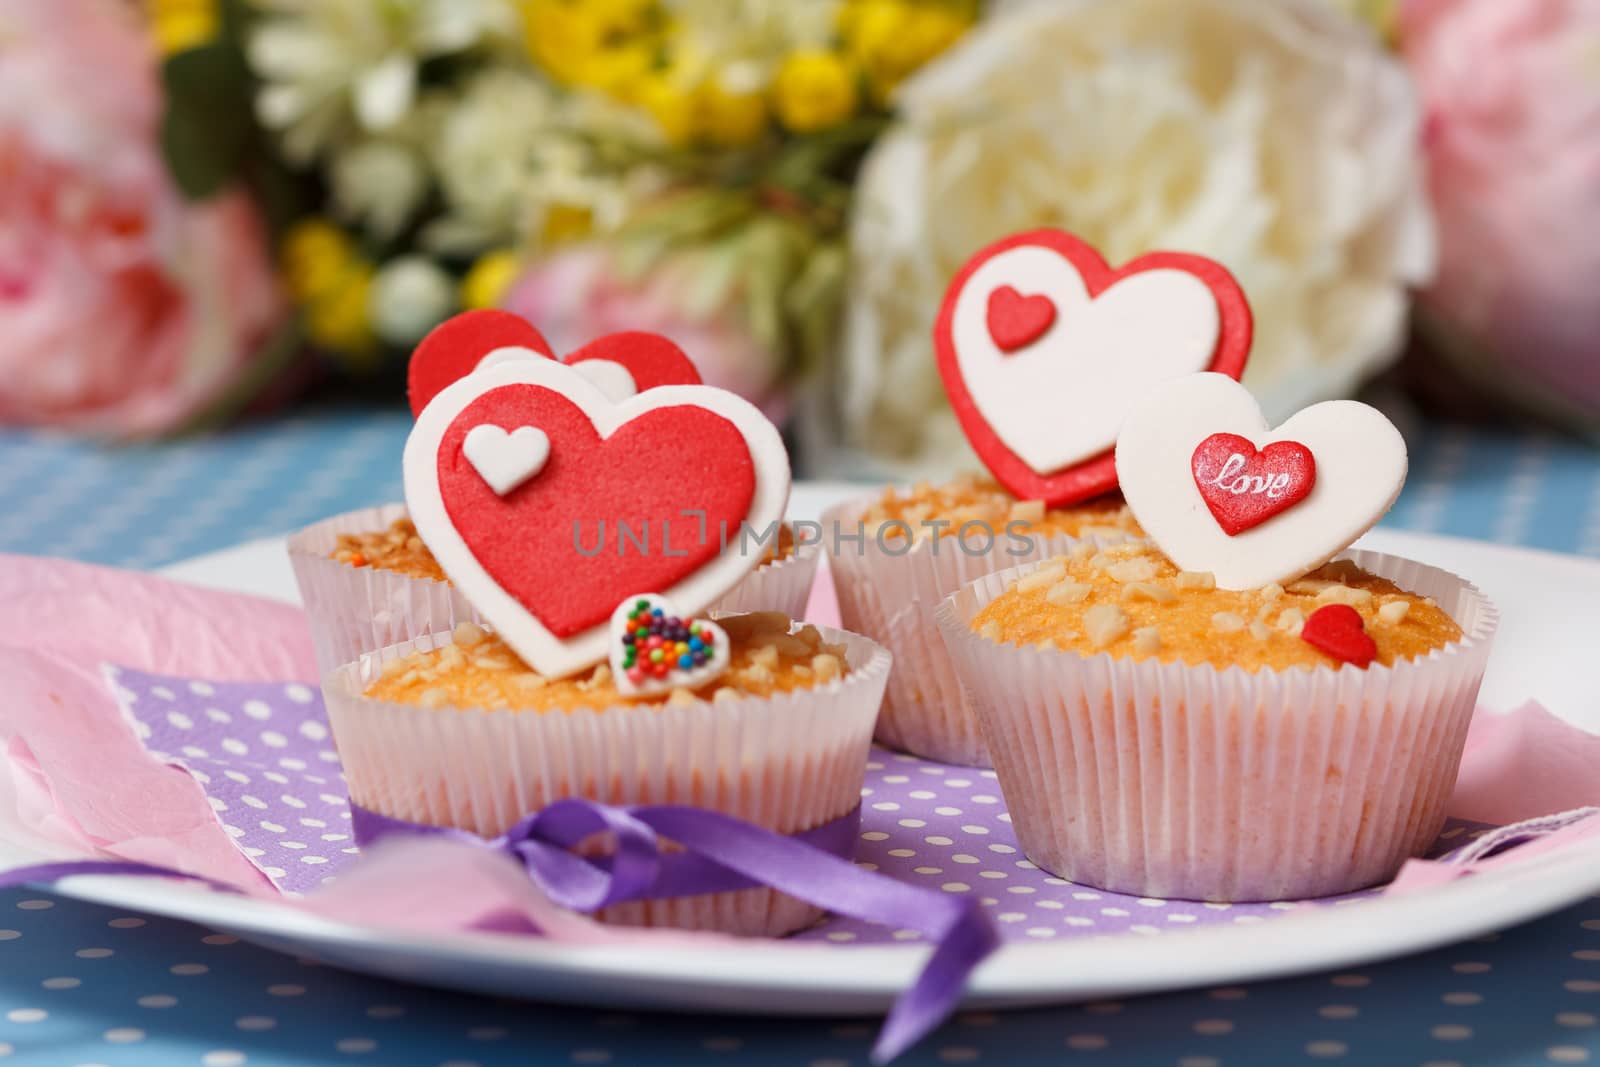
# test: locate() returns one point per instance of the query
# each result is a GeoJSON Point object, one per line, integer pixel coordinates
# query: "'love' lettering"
{"type": "Point", "coordinates": [1243, 487]}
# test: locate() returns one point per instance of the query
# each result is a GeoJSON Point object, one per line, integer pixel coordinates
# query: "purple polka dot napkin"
{"type": "Point", "coordinates": [263, 754]}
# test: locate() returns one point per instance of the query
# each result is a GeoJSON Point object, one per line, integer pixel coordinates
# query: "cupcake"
{"type": "Point", "coordinates": [588, 664]}
{"type": "Point", "coordinates": [455, 729]}
{"type": "Point", "coordinates": [1042, 349]}
{"type": "Point", "coordinates": [1228, 717]}
{"type": "Point", "coordinates": [368, 581]}
{"type": "Point", "coordinates": [911, 556]}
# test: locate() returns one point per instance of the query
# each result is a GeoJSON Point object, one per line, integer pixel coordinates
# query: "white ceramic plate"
{"type": "Point", "coordinates": [1540, 652]}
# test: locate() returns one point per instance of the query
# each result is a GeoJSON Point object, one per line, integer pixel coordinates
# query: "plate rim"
{"type": "Point", "coordinates": [805, 975]}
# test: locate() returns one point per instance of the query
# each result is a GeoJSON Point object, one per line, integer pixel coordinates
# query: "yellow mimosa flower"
{"type": "Point", "coordinates": [488, 279]}
{"type": "Point", "coordinates": [179, 25]}
{"type": "Point", "coordinates": [314, 254]}
{"type": "Point", "coordinates": [732, 118]}
{"type": "Point", "coordinates": [671, 103]}
{"type": "Point", "coordinates": [814, 90]}
{"type": "Point", "coordinates": [337, 319]}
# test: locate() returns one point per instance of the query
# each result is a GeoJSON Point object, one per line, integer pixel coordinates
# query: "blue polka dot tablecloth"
{"type": "Point", "coordinates": [83, 985]}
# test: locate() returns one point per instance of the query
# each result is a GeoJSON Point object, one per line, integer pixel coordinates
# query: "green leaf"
{"type": "Point", "coordinates": [208, 125]}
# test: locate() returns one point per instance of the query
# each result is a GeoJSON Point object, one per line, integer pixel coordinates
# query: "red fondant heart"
{"type": "Point", "coordinates": [456, 346]}
{"type": "Point", "coordinates": [605, 518]}
{"type": "Point", "coordinates": [1337, 630]}
{"type": "Point", "coordinates": [1243, 487]}
{"type": "Point", "coordinates": [649, 358]}
{"type": "Point", "coordinates": [1097, 475]}
{"type": "Point", "coordinates": [1016, 321]}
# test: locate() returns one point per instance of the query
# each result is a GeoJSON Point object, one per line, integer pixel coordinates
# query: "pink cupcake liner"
{"type": "Point", "coordinates": [356, 610]}
{"type": "Point", "coordinates": [788, 763]}
{"type": "Point", "coordinates": [1173, 780]}
{"type": "Point", "coordinates": [892, 598]}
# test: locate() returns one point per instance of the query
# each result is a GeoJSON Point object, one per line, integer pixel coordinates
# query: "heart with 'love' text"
{"type": "Point", "coordinates": [547, 503]}
{"type": "Point", "coordinates": [1043, 348]}
{"type": "Point", "coordinates": [619, 364]}
{"type": "Point", "coordinates": [1221, 491]}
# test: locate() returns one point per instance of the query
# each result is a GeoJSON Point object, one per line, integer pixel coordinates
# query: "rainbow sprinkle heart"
{"type": "Point", "coordinates": [654, 650]}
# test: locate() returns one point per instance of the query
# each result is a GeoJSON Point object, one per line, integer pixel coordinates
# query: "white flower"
{"type": "Point", "coordinates": [379, 182]}
{"type": "Point", "coordinates": [504, 156]}
{"type": "Point", "coordinates": [326, 62]}
{"type": "Point", "coordinates": [1277, 138]}
{"type": "Point", "coordinates": [409, 296]}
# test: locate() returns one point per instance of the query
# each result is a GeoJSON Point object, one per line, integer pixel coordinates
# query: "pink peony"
{"type": "Point", "coordinates": [1512, 92]}
{"type": "Point", "coordinates": [123, 308]}
{"type": "Point", "coordinates": [580, 294]}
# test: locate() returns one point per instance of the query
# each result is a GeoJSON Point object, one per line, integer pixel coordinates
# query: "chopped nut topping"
{"type": "Point", "coordinates": [467, 634]}
{"type": "Point", "coordinates": [1132, 570]}
{"type": "Point", "coordinates": [990, 631]}
{"type": "Point", "coordinates": [1147, 640]}
{"type": "Point", "coordinates": [1394, 612]}
{"type": "Point", "coordinates": [1043, 578]}
{"type": "Point", "coordinates": [1260, 630]}
{"type": "Point", "coordinates": [1344, 594]}
{"type": "Point", "coordinates": [1081, 550]}
{"type": "Point", "coordinates": [1160, 594]}
{"type": "Point", "coordinates": [826, 666]}
{"type": "Point", "coordinates": [1068, 592]}
{"type": "Point", "coordinates": [1271, 591]}
{"type": "Point", "coordinates": [433, 698]}
{"type": "Point", "coordinates": [681, 696]}
{"type": "Point", "coordinates": [1196, 580]}
{"type": "Point", "coordinates": [1292, 621]}
{"type": "Point", "coordinates": [725, 696]}
{"type": "Point", "coordinates": [1309, 586]}
{"type": "Point", "coordinates": [765, 656]}
{"type": "Point", "coordinates": [1125, 549]}
{"type": "Point", "coordinates": [1029, 511]}
{"type": "Point", "coordinates": [1227, 622]}
{"type": "Point", "coordinates": [1104, 623]}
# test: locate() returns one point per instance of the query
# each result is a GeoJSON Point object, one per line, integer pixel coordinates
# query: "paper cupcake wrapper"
{"type": "Point", "coordinates": [356, 610]}
{"type": "Point", "coordinates": [787, 763]}
{"type": "Point", "coordinates": [1172, 780]}
{"type": "Point", "coordinates": [892, 599]}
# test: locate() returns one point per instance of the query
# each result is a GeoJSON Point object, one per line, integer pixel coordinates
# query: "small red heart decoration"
{"type": "Point", "coordinates": [1337, 629]}
{"type": "Point", "coordinates": [1016, 321]}
{"type": "Point", "coordinates": [544, 543]}
{"type": "Point", "coordinates": [454, 348]}
{"type": "Point", "coordinates": [1243, 487]}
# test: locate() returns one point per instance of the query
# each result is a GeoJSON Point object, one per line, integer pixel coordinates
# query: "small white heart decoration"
{"type": "Point", "coordinates": [506, 460]}
{"type": "Point", "coordinates": [638, 678]}
{"type": "Point", "coordinates": [1060, 400]}
{"type": "Point", "coordinates": [1360, 469]}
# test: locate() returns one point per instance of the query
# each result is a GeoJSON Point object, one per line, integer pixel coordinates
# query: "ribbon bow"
{"type": "Point", "coordinates": [719, 853]}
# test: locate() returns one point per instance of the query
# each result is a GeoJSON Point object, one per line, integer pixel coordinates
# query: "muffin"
{"type": "Point", "coordinates": [369, 581]}
{"type": "Point", "coordinates": [1156, 735]}
{"type": "Point", "coordinates": [453, 729]}
{"type": "Point", "coordinates": [910, 557]}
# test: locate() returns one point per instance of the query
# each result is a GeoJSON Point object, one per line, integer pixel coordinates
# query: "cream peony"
{"type": "Point", "coordinates": [1278, 138]}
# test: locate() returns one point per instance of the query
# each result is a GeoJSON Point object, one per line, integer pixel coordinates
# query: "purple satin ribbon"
{"type": "Point", "coordinates": [719, 853]}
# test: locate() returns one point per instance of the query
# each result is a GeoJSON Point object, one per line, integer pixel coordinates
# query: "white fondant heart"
{"type": "Point", "coordinates": [547, 653]}
{"type": "Point", "coordinates": [506, 460]}
{"type": "Point", "coordinates": [1061, 399]}
{"type": "Point", "coordinates": [1360, 467]}
{"type": "Point", "coordinates": [609, 376]}
{"type": "Point", "coordinates": [639, 678]}
{"type": "Point", "coordinates": [507, 354]}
